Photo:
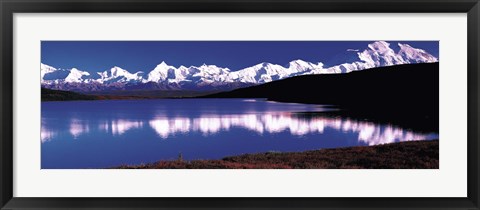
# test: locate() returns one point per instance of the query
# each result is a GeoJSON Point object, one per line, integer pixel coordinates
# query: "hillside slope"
{"type": "Point", "coordinates": [407, 93]}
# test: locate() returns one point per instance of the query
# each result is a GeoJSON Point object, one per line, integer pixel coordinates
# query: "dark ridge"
{"type": "Point", "coordinates": [407, 95]}
{"type": "Point", "coordinates": [61, 95]}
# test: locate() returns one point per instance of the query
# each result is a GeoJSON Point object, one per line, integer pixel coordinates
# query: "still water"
{"type": "Point", "coordinates": [101, 134]}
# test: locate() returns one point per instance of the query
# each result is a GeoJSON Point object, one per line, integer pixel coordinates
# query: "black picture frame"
{"type": "Point", "coordinates": [10, 7]}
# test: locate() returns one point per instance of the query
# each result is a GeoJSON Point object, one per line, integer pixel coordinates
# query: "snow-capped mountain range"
{"type": "Point", "coordinates": [211, 77]}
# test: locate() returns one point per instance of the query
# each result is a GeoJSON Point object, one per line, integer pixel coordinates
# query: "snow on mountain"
{"type": "Point", "coordinates": [163, 72]}
{"type": "Point", "coordinates": [76, 75]}
{"type": "Point", "coordinates": [208, 73]}
{"type": "Point", "coordinates": [45, 69]}
{"type": "Point", "coordinates": [51, 74]}
{"type": "Point", "coordinates": [380, 54]}
{"type": "Point", "coordinates": [260, 73]}
{"type": "Point", "coordinates": [267, 72]}
{"type": "Point", "coordinates": [117, 74]}
{"type": "Point", "coordinates": [412, 55]}
{"type": "Point", "coordinates": [377, 54]}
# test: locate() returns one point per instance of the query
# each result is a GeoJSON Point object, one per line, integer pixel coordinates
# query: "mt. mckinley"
{"type": "Point", "coordinates": [211, 77]}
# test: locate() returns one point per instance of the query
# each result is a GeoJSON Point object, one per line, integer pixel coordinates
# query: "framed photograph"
{"type": "Point", "coordinates": [239, 104]}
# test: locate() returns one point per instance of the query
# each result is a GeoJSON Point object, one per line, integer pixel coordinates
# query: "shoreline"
{"type": "Point", "coordinates": [423, 154]}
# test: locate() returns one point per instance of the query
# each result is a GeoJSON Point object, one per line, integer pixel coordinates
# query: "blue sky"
{"type": "Point", "coordinates": [94, 56]}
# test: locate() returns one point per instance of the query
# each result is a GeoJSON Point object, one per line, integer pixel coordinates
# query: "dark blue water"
{"type": "Point", "coordinates": [100, 134]}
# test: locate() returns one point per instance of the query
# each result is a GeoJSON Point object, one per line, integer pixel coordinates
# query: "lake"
{"type": "Point", "coordinates": [108, 133]}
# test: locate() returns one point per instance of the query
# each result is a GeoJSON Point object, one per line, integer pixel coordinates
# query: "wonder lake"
{"type": "Point", "coordinates": [109, 133]}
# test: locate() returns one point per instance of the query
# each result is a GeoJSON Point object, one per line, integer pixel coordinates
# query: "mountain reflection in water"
{"type": "Point", "coordinates": [84, 134]}
{"type": "Point", "coordinates": [367, 132]}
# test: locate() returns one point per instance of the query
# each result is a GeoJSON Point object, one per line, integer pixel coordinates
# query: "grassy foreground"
{"type": "Point", "coordinates": [404, 155]}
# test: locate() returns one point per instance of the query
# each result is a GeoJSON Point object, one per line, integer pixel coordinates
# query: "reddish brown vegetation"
{"type": "Point", "coordinates": [113, 97]}
{"type": "Point", "coordinates": [411, 155]}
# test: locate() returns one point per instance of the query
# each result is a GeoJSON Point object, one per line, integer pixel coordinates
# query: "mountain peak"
{"type": "Point", "coordinates": [162, 67]}
{"type": "Point", "coordinates": [380, 47]}
{"type": "Point", "coordinates": [162, 64]}
{"type": "Point", "coordinates": [117, 70]}
{"type": "Point", "coordinates": [44, 68]}
{"type": "Point", "coordinates": [299, 62]}
{"type": "Point", "coordinates": [378, 44]}
{"type": "Point", "coordinates": [405, 47]}
{"type": "Point", "coordinates": [263, 64]}
{"type": "Point", "coordinates": [76, 75]}
{"type": "Point", "coordinates": [415, 55]}
{"type": "Point", "coordinates": [77, 70]}
{"type": "Point", "coordinates": [42, 65]}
